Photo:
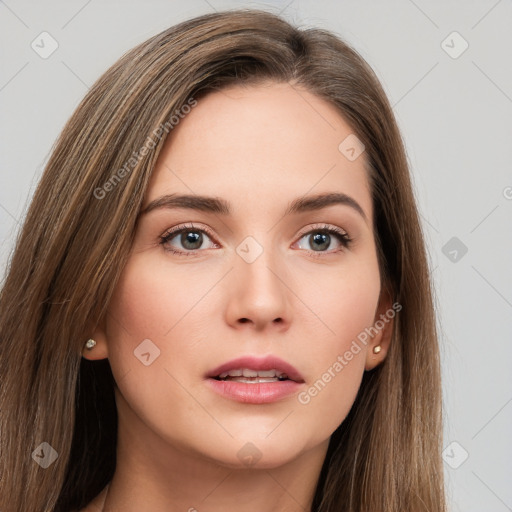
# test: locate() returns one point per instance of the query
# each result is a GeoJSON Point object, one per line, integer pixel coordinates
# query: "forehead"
{"type": "Point", "coordinates": [260, 146]}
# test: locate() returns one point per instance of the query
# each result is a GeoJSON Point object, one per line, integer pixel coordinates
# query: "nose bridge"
{"type": "Point", "coordinates": [261, 295]}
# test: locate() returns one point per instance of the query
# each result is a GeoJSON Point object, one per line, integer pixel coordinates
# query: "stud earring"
{"type": "Point", "coordinates": [376, 349]}
{"type": "Point", "coordinates": [89, 345]}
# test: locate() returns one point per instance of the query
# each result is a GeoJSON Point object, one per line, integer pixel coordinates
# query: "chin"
{"type": "Point", "coordinates": [258, 452]}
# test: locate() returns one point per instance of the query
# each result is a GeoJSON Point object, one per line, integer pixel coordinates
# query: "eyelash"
{"type": "Point", "coordinates": [341, 235]}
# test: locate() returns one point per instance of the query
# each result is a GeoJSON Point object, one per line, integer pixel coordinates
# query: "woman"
{"type": "Point", "coordinates": [220, 296]}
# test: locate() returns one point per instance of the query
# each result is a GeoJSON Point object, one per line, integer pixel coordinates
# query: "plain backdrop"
{"type": "Point", "coordinates": [447, 69]}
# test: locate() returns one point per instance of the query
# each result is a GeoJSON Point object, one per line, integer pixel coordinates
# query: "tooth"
{"type": "Point", "coordinates": [254, 380]}
{"type": "Point", "coordinates": [247, 373]}
{"type": "Point", "coordinates": [267, 373]}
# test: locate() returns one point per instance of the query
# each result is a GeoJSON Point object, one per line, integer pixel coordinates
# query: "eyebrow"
{"type": "Point", "coordinates": [222, 207]}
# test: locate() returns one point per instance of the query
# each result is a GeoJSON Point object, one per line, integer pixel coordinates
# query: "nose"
{"type": "Point", "coordinates": [258, 295]}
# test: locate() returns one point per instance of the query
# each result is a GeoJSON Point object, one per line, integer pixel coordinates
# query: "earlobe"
{"type": "Point", "coordinates": [96, 347]}
{"type": "Point", "coordinates": [379, 347]}
{"type": "Point", "coordinates": [383, 325]}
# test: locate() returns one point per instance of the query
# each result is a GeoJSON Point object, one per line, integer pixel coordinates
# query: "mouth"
{"type": "Point", "coordinates": [255, 380]}
{"type": "Point", "coordinates": [249, 376]}
{"type": "Point", "coordinates": [256, 370]}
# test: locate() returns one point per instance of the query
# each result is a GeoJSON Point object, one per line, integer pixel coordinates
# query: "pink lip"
{"type": "Point", "coordinates": [259, 393]}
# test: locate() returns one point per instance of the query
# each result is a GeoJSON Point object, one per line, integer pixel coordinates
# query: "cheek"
{"type": "Point", "coordinates": [150, 310]}
{"type": "Point", "coordinates": [346, 305]}
{"type": "Point", "coordinates": [144, 303]}
{"type": "Point", "coordinates": [143, 311]}
{"type": "Point", "coordinates": [154, 300]}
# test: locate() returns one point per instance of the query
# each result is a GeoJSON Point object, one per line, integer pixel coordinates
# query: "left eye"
{"type": "Point", "coordinates": [320, 239]}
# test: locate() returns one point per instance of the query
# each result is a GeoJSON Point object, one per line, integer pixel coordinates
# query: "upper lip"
{"type": "Point", "coordinates": [256, 363]}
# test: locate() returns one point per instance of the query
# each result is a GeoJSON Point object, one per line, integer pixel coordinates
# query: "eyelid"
{"type": "Point", "coordinates": [188, 226]}
{"type": "Point", "coordinates": [322, 226]}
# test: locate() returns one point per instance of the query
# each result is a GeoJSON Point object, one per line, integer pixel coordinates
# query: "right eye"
{"type": "Point", "coordinates": [188, 237]}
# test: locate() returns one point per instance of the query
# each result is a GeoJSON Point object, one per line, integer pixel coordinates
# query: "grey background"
{"type": "Point", "coordinates": [456, 118]}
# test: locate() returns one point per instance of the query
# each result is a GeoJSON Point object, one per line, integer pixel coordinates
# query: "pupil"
{"type": "Point", "coordinates": [320, 238]}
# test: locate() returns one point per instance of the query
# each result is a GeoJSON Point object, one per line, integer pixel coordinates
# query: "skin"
{"type": "Point", "coordinates": [259, 148]}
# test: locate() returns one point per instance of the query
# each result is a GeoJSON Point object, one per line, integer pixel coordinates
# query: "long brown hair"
{"type": "Point", "coordinates": [385, 456]}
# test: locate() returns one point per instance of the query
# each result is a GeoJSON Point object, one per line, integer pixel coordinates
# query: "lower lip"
{"type": "Point", "coordinates": [259, 393]}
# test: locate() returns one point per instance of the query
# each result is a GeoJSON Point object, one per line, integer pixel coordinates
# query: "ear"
{"type": "Point", "coordinates": [98, 334]}
{"type": "Point", "coordinates": [381, 330]}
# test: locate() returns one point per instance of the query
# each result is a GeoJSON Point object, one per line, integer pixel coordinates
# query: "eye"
{"type": "Point", "coordinates": [189, 237]}
{"type": "Point", "coordinates": [321, 238]}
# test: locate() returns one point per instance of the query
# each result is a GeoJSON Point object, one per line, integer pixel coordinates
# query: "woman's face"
{"type": "Point", "coordinates": [262, 280]}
